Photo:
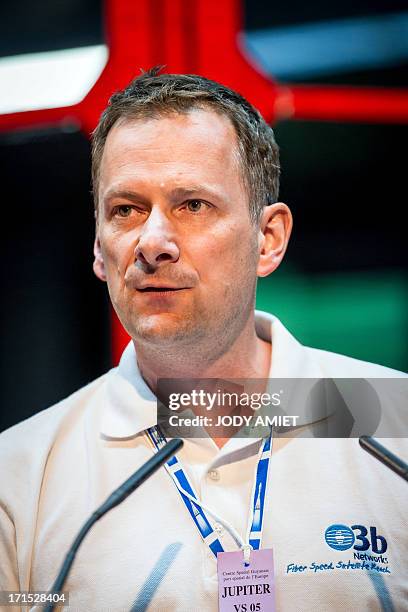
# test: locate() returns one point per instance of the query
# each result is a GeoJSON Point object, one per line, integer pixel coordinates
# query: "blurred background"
{"type": "Point", "coordinates": [330, 78]}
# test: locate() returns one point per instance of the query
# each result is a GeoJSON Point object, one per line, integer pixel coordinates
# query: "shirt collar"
{"type": "Point", "coordinates": [130, 406]}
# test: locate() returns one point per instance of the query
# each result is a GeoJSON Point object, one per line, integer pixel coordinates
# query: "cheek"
{"type": "Point", "coordinates": [118, 253]}
{"type": "Point", "coordinates": [229, 255]}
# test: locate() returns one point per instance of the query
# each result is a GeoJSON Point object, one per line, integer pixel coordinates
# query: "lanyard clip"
{"type": "Point", "coordinates": [246, 549]}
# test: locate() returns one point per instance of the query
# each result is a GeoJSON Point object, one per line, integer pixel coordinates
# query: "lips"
{"type": "Point", "coordinates": [160, 289]}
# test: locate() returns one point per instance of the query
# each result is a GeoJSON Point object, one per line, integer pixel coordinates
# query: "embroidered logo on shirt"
{"type": "Point", "coordinates": [339, 537]}
{"type": "Point", "coordinates": [367, 552]}
{"type": "Point", "coordinates": [342, 537]}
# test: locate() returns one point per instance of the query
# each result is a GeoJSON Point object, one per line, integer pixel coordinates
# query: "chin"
{"type": "Point", "coordinates": [161, 329]}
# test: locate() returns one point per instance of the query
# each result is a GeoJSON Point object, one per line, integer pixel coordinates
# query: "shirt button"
{"type": "Point", "coordinates": [214, 474]}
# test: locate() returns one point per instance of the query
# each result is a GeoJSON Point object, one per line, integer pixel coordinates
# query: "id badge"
{"type": "Point", "coordinates": [246, 588]}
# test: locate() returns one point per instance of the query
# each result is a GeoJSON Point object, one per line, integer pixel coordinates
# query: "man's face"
{"type": "Point", "coordinates": [174, 237]}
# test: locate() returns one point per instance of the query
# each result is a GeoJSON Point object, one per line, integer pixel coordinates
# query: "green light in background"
{"type": "Point", "coordinates": [363, 315]}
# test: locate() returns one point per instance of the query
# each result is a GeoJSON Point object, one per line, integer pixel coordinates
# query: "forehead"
{"type": "Point", "coordinates": [202, 143]}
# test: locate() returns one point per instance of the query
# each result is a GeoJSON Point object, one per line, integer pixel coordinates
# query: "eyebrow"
{"type": "Point", "coordinates": [126, 194]}
{"type": "Point", "coordinates": [175, 194]}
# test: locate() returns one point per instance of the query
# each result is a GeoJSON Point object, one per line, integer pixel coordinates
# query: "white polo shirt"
{"type": "Point", "coordinates": [58, 466]}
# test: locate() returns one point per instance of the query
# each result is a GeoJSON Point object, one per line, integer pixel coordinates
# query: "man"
{"type": "Point", "coordinates": [187, 216]}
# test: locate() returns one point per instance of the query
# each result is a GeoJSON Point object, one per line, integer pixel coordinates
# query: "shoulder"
{"type": "Point", "coordinates": [292, 359]}
{"type": "Point", "coordinates": [34, 436]}
{"type": "Point", "coordinates": [336, 365]}
{"type": "Point", "coordinates": [28, 452]}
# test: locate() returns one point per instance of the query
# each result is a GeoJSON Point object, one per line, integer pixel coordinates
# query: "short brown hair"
{"type": "Point", "coordinates": [153, 94]}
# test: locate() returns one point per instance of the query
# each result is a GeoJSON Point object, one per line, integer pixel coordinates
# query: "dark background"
{"type": "Point", "coordinates": [343, 285]}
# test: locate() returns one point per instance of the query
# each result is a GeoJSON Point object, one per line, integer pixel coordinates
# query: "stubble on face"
{"type": "Point", "coordinates": [207, 326]}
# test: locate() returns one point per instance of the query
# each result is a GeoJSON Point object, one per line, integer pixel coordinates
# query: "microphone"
{"type": "Point", "coordinates": [116, 498]}
{"type": "Point", "coordinates": [379, 451]}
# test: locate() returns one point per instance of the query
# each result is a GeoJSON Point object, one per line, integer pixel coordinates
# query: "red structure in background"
{"type": "Point", "coordinates": [201, 36]}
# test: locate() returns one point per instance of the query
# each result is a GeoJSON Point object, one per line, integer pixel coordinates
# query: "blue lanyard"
{"type": "Point", "coordinates": [175, 470]}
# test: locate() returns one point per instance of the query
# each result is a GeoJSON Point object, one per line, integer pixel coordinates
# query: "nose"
{"type": "Point", "coordinates": [156, 245]}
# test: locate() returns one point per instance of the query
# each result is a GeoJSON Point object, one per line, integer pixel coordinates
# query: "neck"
{"type": "Point", "coordinates": [247, 356]}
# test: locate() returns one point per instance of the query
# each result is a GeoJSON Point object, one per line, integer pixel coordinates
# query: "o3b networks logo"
{"type": "Point", "coordinates": [358, 537]}
{"type": "Point", "coordinates": [368, 548]}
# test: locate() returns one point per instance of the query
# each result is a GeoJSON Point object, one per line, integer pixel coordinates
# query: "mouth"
{"type": "Point", "coordinates": [161, 292]}
{"type": "Point", "coordinates": [160, 289]}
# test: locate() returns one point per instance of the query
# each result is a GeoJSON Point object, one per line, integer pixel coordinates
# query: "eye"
{"type": "Point", "coordinates": [124, 210]}
{"type": "Point", "coordinates": [195, 206]}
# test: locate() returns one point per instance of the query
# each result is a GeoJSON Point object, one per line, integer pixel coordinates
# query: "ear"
{"type": "Point", "coordinates": [98, 264]}
{"type": "Point", "coordinates": [274, 233]}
